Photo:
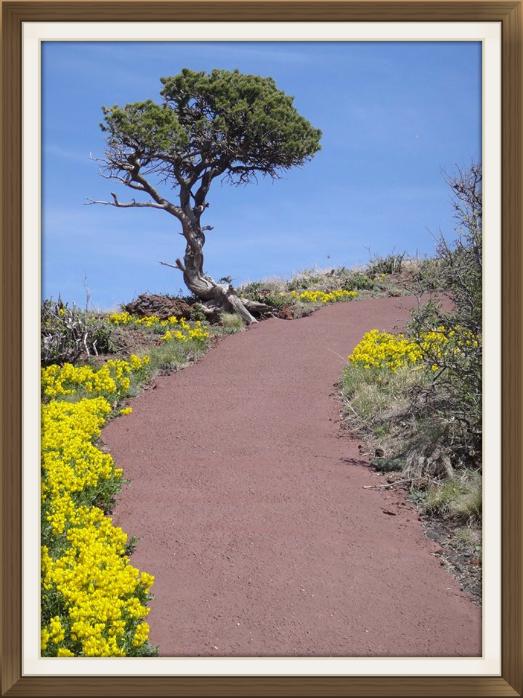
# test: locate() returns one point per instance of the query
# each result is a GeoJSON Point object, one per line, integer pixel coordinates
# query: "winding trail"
{"type": "Point", "coordinates": [250, 509]}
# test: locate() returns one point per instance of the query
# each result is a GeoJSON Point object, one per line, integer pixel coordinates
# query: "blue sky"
{"type": "Point", "coordinates": [395, 117]}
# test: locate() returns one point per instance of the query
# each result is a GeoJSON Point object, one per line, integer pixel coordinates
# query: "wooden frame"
{"type": "Point", "coordinates": [509, 14]}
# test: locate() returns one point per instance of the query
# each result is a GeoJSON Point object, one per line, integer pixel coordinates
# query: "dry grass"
{"type": "Point", "coordinates": [231, 323]}
{"type": "Point", "coordinates": [374, 398]}
{"type": "Point", "coordinates": [459, 498]}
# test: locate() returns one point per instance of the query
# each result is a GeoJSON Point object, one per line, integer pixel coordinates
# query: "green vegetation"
{"type": "Point", "coordinates": [458, 498]}
{"type": "Point", "coordinates": [456, 392]}
{"type": "Point", "coordinates": [67, 333]}
{"type": "Point", "coordinates": [390, 264]}
{"type": "Point", "coordinates": [70, 334]}
{"type": "Point", "coordinates": [231, 323]}
{"type": "Point", "coordinates": [172, 356]}
{"type": "Point", "coordinates": [94, 603]}
{"type": "Point", "coordinates": [72, 337]}
{"type": "Point", "coordinates": [416, 398]}
{"type": "Point", "coordinates": [294, 298]}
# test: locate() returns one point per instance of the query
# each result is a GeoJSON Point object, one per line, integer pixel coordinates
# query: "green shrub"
{"type": "Point", "coordinates": [171, 356]}
{"type": "Point", "coordinates": [68, 333]}
{"type": "Point", "coordinates": [428, 275]}
{"type": "Point", "coordinates": [279, 301]}
{"type": "Point", "coordinates": [390, 264]}
{"type": "Point", "coordinates": [231, 323]}
{"type": "Point", "coordinates": [427, 417]}
{"type": "Point", "coordinates": [197, 313]}
{"type": "Point", "coordinates": [458, 498]}
{"type": "Point", "coordinates": [455, 396]}
{"type": "Point", "coordinates": [336, 279]}
{"type": "Point", "coordinates": [373, 390]}
{"type": "Point", "coordinates": [254, 290]}
{"type": "Point", "coordinates": [271, 293]}
{"type": "Point", "coordinates": [308, 279]}
{"type": "Point", "coordinates": [468, 537]}
{"type": "Point", "coordinates": [277, 293]}
{"type": "Point", "coordinates": [355, 281]}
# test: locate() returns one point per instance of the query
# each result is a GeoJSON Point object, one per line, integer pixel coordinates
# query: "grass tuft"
{"type": "Point", "coordinates": [231, 323]}
{"type": "Point", "coordinates": [458, 498]}
{"type": "Point", "coordinates": [171, 356]}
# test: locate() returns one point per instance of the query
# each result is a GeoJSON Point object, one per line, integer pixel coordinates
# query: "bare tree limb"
{"type": "Point", "coordinates": [148, 187]}
{"type": "Point", "coordinates": [124, 179]}
{"type": "Point", "coordinates": [177, 265]}
{"type": "Point", "coordinates": [125, 204]}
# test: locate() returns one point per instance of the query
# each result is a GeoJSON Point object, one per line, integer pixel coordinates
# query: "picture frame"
{"type": "Point", "coordinates": [509, 14]}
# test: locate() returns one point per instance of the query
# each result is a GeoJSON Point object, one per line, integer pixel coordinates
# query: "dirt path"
{"type": "Point", "coordinates": [251, 512]}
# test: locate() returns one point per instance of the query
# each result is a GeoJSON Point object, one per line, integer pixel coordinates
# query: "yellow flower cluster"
{"type": "Point", "coordinates": [186, 332]}
{"type": "Point", "coordinates": [93, 599]}
{"type": "Point", "coordinates": [392, 351]}
{"type": "Point", "coordinates": [443, 342]}
{"type": "Point", "coordinates": [53, 633]}
{"type": "Point", "coordinates": [323, 296]}
{"type": "Point", "coordinates": [104, 594]}
{"type": "Point", "coordinates": [111, 380]}
{"type": "Point", "coordinates": [175, 329]}
{"type": "Point", "coordinates": [71, 462]}
{"type": "Point", "coordinates": [141, 634]}
{"type": "Point", "coordinates": [125, 318]}
{"type": "Point", "coordinates": [385, 350]}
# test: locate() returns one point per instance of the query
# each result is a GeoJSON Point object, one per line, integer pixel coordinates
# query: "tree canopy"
{"type": "Point", "coordinates": [222, 122]}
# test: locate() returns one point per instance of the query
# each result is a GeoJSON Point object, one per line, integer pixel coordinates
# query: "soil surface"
{"type": "Point", "coordinates": [249, 504]}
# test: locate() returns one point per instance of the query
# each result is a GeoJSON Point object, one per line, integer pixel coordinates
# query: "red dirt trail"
{"type": "Point", "coordinates": [249, 507]}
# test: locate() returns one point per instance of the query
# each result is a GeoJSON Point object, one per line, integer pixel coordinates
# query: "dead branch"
{"type": "Point", "coordinates": [409, 481]}
{"type": "Point", "coordinates": [177, 265]}
{"type": "Point", "coordinates": [125, 204]}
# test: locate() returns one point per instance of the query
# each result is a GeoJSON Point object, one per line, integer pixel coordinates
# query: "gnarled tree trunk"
{"type": "Point", "coordinates": [213, 295]}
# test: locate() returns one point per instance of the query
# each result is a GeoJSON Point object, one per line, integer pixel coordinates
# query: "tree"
{"type": "Point", "coordinates": [209, 125]}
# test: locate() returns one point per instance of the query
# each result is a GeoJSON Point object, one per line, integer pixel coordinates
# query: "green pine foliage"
{"type": "Point", "coordinates": [209, 124]}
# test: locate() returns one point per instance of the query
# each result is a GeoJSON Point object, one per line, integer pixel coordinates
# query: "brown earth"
{"type": "Point", "coordinates": [250, 507]}
{"type": "Point", "coordinates": [160, 305]}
